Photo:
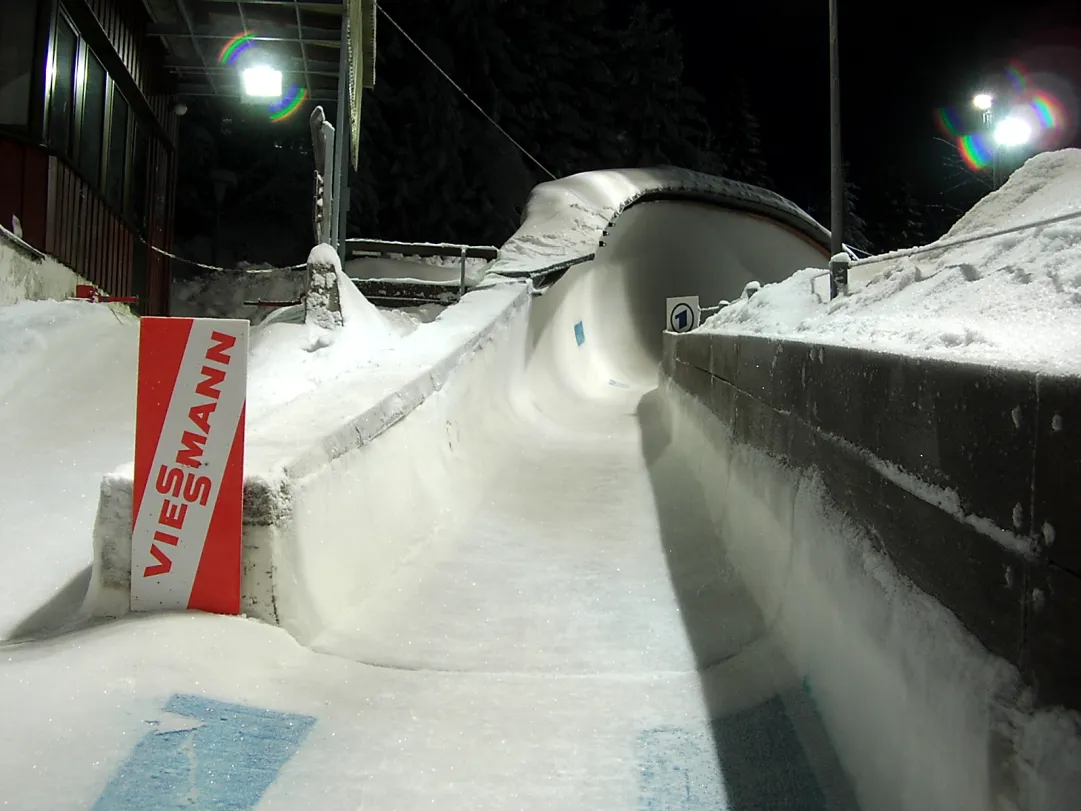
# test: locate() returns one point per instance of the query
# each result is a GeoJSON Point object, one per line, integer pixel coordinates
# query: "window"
{"type": "Point", "coordinates": [93, 120]}
{"type": "Point", "coordinates": [17, 36]}
{"type": "Point", "coordinates": [117, 152]}
{"type": "Point", "coordinates": [63, 87]}
{"type": "Point", "coordinates": [139, 166]}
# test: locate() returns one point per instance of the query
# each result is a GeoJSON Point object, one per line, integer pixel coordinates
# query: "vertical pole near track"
{"type": "Point", "coordinates": [837, 172]}
{"type": "Point", "coordinates": [461, 280]}
{"type": "Point", "coordinates": [341, 163]}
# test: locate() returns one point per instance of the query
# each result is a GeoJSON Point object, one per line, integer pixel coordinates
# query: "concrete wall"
{"type": "Point", "coordinates": [963, 472]}
{"type": "Point", "coordinates": [27, 275]}
{"type": "Point", "coordinates": [869, 502]}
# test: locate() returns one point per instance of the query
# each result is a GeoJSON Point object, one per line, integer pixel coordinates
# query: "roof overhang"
{"type": "Point", "coordinates": [304, 39]}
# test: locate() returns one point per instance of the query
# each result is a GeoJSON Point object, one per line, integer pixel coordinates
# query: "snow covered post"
{"type": "Point", "coordinates": [323, 194]}
{"type": "Point", "coordinates": [319, 153]}
{"type": "Point", "coordinates": [323, 305]}
{"type": "Point", "coordinates": [329, 213]}
{"type": "Point", "coordinates": [839, 263]}
{"type": "Point", "coordinates": [461, 281]}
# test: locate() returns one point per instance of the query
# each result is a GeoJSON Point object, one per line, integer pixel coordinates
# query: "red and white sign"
{"type": "Point", "coordinates": [189, 465]}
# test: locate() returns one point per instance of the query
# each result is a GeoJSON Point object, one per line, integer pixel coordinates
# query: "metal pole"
{"type": "Point", "coordinates": [461, 280]}
{"type": "Point", "coordinates": [838, 277]}
{"type": "Point", "coordinates": [837, 172]}
{"type": "Point", "coordinates": [326, 230]}
{"type": "Point", "coordinates": [989, 124]}
{"type": "Point", "coordinates": [342, 133]}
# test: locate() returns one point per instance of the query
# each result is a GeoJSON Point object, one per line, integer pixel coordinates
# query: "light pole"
{"type": "Point", "coordinates": [837, 188]}
{"type": "Point", "coordinates": [838, 271]}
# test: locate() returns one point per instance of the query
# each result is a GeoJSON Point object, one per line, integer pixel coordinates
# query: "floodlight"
{"type": "Point", "coordinates": [1013, 131]}
{"type": "Point", "coordinates": [262, 82]}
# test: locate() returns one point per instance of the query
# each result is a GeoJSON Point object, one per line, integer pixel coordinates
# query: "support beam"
{"type": "Point", "coordinates": [321, 8]}
{"type": "Point", "coordinates": [197, 89]}
{"type": "Point", "coordinates": [286, 65]}
{"type": "Point", "coordinates": [341, 160]}
{"type": "Point", "coordinates": [328, 37]}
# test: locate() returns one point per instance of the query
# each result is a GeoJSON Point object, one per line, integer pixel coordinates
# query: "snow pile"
{"type": "Point", "coordinates": [289, 358]}
{"type": "Point", "coordinates": [322, 305]}
{"type": "Point", "coordinates": [1044, 188]}
{"type": "Point", "coordinates": [1012, 299]}
{"type": "Point", "coordinates": [565, 218]}
{"type": "Point", "coordinates": [67, 394]}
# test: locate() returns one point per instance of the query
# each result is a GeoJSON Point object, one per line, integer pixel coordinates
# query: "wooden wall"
{"type": "Point", "coordinates": [86, 235]}
{"type": "Point", "coordinates": [68, 218]}
{"type": "Point", "coordinates": [124, 23]}
{"type": "Point", "coordinates": [23, 191]}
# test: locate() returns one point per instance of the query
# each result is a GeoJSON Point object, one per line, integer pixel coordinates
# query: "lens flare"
{"type": "Point", "coordinates": [948, 121]}
{"type": "Point", "coordinates": [1016, 73]}
{"type": "Point", "coordinates": [974, 151]}
{"type": "Point", "coordinates": [235, 47]}
{"type": "Point", "coordinates": [1048, 112]}
{"type": "Point", "coordinates": [288, 104]}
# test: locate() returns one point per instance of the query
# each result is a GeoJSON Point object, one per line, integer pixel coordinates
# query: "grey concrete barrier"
{"type": "Point", "coordinates": [964, 474]}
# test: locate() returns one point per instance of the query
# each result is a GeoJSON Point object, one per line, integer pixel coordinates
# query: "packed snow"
{"type": "Point", "coordinates": [67, 404]}
{"type": "Point", "coordinates": [977, 294]}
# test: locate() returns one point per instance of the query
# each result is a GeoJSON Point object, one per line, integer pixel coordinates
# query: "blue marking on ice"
{"type": "Point", "coordinates": [752, 759]}
{"type": "Point", "coordinates": [579, 333]}
{"type": "Point", "coordinates": [226, 758]}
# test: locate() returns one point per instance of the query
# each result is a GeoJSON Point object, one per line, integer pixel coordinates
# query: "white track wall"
{"type": "Point", "coordinates": [357, 519]}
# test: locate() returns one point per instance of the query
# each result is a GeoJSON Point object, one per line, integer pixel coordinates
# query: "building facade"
{"type": "Point", "coordinates": [88, 141]}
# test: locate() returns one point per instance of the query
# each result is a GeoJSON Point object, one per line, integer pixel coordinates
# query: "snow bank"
{"type": "Point", "coordinates": [564, 219]}
{"type": "Point", "coordinates": [921, 715]}
{"type": "Point", "coordinates": [26, 273]}
{"type": "Point", "coordinates": [1045, 187]}
{"type": "Point", "coordinates": [1011, 299]}
{"type": "Point", "coordinates": [67, 388]}
{"type": "Point", "coordinates": [311, 539]}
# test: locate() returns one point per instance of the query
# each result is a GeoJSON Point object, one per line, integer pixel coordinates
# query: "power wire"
{"type": "Point", "coordinates": [465, 95]}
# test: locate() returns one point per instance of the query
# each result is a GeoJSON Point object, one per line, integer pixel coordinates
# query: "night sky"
{"type": "Point", "coordinates": [897, 66]}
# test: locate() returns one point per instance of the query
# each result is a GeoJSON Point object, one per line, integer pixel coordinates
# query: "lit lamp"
{"type": "Point", "coordinates": [262, 82]}
{"type": "Point", "coordinates": [983, 101]}
{"type": "Point", "coordinates": [1012, 131]}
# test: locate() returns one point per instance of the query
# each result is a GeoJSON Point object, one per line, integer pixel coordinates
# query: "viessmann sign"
{"type": "Point", "coordinates": [189, 465]}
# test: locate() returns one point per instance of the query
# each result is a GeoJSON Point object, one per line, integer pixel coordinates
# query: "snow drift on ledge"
{"type": "Point", "coordinates": [1011, 299]}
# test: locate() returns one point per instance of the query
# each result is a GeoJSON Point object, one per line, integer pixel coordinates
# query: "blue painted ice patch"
{"type": "Point", "coordinates": [579, 333]}
{"type": "Point", "coordinates": [763, 761]}
{"type": "Point", "coordinates": [618, 384]}
{"type": "Point", "coordinates": [678, 771]}
{"type": "Point", "coordinates": [207, 755]}
{"type": "Point", "coordinates": [751, 759]}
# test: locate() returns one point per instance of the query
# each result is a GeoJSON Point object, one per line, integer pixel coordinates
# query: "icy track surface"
{"type": "Point", "coordinates": [573, 638]}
